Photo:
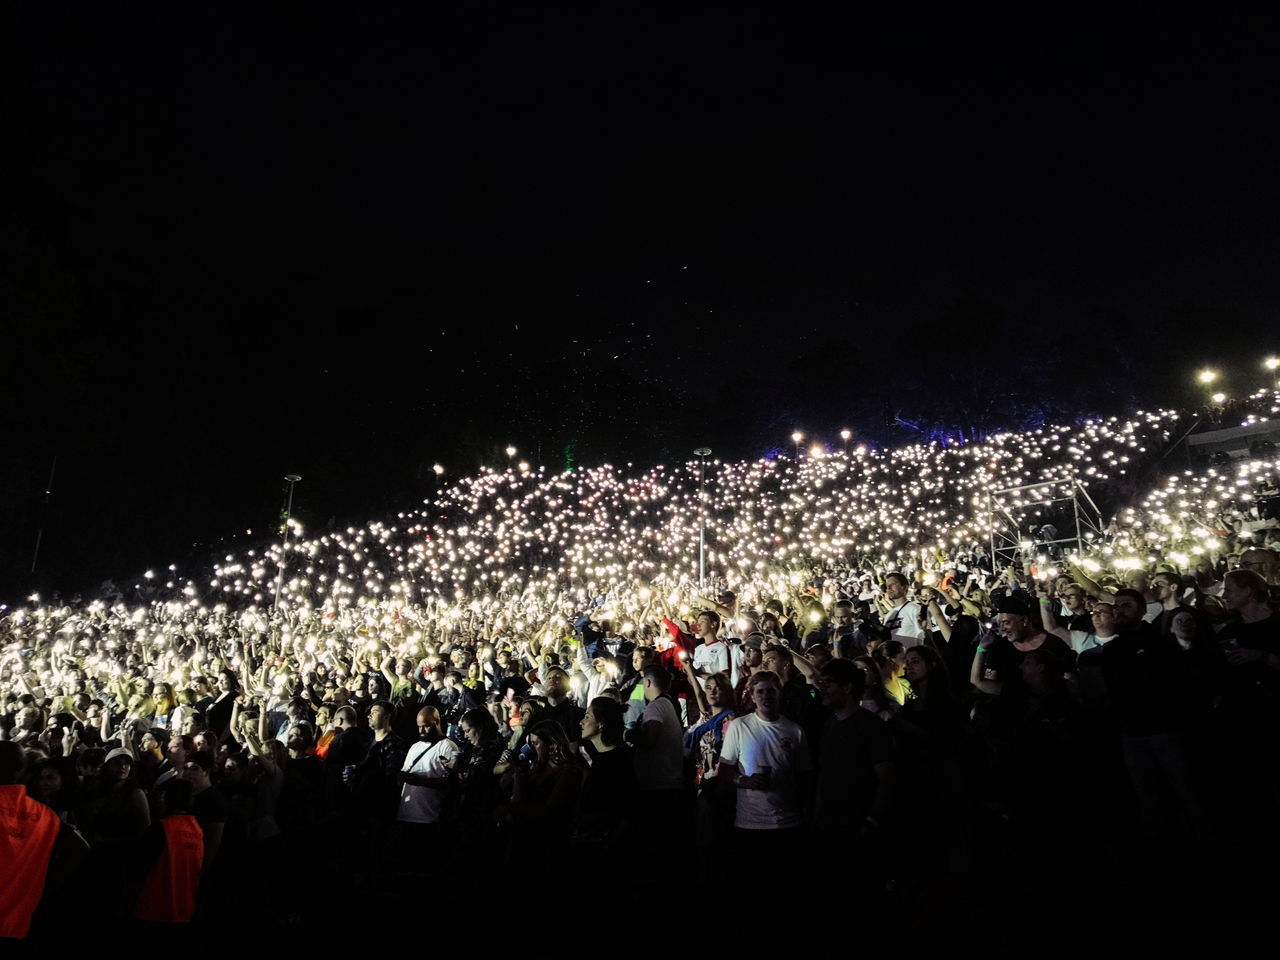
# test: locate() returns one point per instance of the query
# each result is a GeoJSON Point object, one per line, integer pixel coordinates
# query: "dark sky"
{"type": "Point", "coordinates": [353, 246]}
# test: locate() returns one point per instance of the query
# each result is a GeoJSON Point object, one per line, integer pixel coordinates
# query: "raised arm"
{"type": "Point", "coordinates": [387, 673]}
{"type": "Point", "coordinates": [699, 694]}
{"type": "Point", "coordinates": [1044, 592]}
{"type": "Point", "coordinates": [940, 618]}
{"type": "Point", "coordinates": [1089, 586]}
{"type": "Point", "coordinates": [977, 671]}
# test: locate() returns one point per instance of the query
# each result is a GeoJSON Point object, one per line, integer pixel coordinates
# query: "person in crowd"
{"type": "Point", "coordinates": [716, 707]}
{"type": "Point", "coordinates": [890, 658]}
{"type": "Point", "coordinates": [170, 859]}
{"type": "Point", "coordinates": [41, 852]}
{"type": "Point", "coordinates": [902, 619]}
{"type": "Point", "coordinates": [766, 757]}
{"type": "Point", "coordinates": [425, 782]}
{"type": "Point", "coordinates": [544, 798]}
{"type": "Point", "coordinates": [605, 809]}
{"type": "Point", "coordinates": [856, 771]}
{"type": "Point", "coordinates": [476, 786]}
{"type": "Point", "coordinates": [712, 654]}
{"type": "Point", "coordinates": [561, 708]}
{"type": "Point", "coordinates": [658, 740]}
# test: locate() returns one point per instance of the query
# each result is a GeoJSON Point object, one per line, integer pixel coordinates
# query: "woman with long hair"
{"type": "Point", "coordinates": [890, 657]}
{"type": "Point", "coordinates": [875, 698]}
{"type": "Point", "coordinates": [477, 784]}
{"type": "Point", "coordinates": [931, 719]}
{"type": "Point", "coordinates": [717, 706]}
{"type": "Point", "coordinates": [544, 795]}
{"type": "Point", "coordinates": [165, 703]}
{"type": "Point", "coordinates": [608, 794]}
{"type": "Point", "coordinates": [523, 719]}
{"type": "Point", "coordinates": [218, 716]}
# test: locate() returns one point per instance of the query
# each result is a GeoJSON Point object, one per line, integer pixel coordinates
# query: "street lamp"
{"type": "Point", "coordinates": [1207, 376]}
{"type": "Point", "coordinates": [845, 435]}
{"type": "Point", "coordinates": [796, 438]}
{"type": "Point", "coordinates": [438, 470]}
{"type": "Point", "coordinates": [292, 478]}
{"type": "Point", "coordinates": [1273, 364]}
{"type": "Point", "coordinates": [702, 453]}
{"type": "Point", "coordinates": [511, 452]}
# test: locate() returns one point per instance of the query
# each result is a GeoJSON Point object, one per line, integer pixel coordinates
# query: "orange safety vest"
{"type": "Point", "coordinates": [28, 830]}
{"type": "Point", "coordinates": [169, 895]}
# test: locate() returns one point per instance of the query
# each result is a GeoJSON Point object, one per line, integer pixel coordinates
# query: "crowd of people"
{"type": "Point", "coordinates": [527, 678]}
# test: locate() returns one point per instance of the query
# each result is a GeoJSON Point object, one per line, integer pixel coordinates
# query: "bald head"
{"type": "Point", "coordinates": [429, 722]}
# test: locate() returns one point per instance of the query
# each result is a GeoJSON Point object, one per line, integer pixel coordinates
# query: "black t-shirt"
{"type": "Point", "coordinates": [849, 752]}
{"type": "Point", "coordinates": [210, 807]}
{"type": "Point", "coordinates": [1004, 660]}
{"type": "Point", "coordinates": [569, 715]}
{"type": "Point", "coordinates": [609, 791]}
{"type": "Point", "coordinates": [1151, 681]}
{"type": "Point", "coordinates": [218, 717]}
{"type": "Point", "coordinates": [1253, 685]}
{"type": "Point", "coordinates": [1004, 664]}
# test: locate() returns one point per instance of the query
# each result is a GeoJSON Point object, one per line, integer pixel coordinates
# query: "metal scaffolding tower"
{"type": "Point", "coordinates": [1016, 533]}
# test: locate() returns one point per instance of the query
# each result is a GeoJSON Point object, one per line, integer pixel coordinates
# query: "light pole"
{"type": "Point", "coordinates": [702, 453]}
{"type": "Point", "coordinates": [1273, 365]}
{"type": "Point", "coordinates": [284, 549]}
{"type": "Point", "coordinates": [511, 454]}
{"type": "Point", "coordinates": [845, 435]}
{"type": "Point", "coordinates": [796, 438]}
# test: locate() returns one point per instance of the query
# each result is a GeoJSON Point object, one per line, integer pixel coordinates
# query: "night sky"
{"type": "Point", "coordinates": [355, 246]}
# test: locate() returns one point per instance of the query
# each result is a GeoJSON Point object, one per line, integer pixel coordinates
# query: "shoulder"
{"type": "Point", "coordinates": [790, 728]}
{"type": "Point", "coordinates": [445, 747]}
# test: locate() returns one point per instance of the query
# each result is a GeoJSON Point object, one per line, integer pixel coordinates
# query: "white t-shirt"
{"type": "Point", "coordinates": [661, 766]}
{"type": "Point", "coordinates": [423, 804]}
{"type": "Point", "coordinates": [1082, 640]}
{"type": "Point", "coordinates": [753, 743]}
{"type": "Point", "coordinates": [711, 657]}
{"type": "Point", "coordinates": [908, 632]}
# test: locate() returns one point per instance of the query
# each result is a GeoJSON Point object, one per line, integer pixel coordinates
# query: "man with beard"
{"type": "Point", "coordinates": [424, 779]}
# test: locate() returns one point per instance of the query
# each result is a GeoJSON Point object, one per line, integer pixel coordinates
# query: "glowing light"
{"type": "Point", "coordinates": [1207, 376]}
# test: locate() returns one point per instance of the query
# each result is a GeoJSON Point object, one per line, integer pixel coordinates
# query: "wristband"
{"type": "Point", "coordinates": [981, 648]}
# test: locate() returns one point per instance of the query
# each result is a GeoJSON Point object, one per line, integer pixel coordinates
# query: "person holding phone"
{"type": "Point", "coordinates": [903, 619]}
{"type": "Point", "coordinates": [766, 756]}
